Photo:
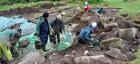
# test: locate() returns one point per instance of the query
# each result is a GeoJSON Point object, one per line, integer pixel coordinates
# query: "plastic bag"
{"type": "Point", "coordinates": [50, 46]}
{"type": "Point", "coordinates": [7, 22]}
{"type": "Point", "coordinates": [31, 39]}
{"type": "Point", "coordinates": [29, 48]}
{"type": "Point", "coordinates": [3, 23]}
{"type": "Point", "coordinates": [5, 36]}
{"type": "Point", "coordinates": [27, 28]}
{"type": "Point", "coordinates": [65, 43]}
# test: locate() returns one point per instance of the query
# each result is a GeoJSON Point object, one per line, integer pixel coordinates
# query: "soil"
{"type": "Point", "coordinates": [75, 51]}
{"type": "Point", "coordinates": [19, 11]}
{"type": "Point", "coordinates": [78, 50]}
{"type": "Point", "coordinates": [27, 10]}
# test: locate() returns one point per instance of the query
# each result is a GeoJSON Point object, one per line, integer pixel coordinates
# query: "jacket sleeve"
{"type": "Point", "coordinates": [87, 35]}
{"type": "Point", "coordinates": [51, 24]}
{"type": "Point", "coordinates": [62, 27]}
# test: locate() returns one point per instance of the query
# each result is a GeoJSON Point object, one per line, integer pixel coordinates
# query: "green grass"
{"type": "Point", "coordinates": [19, 5]}
{"type": "Point", "coordinates": [127, 7]}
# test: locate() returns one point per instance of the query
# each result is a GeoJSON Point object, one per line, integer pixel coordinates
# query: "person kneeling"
{"type": "Point", "coordinates": [85, 36]}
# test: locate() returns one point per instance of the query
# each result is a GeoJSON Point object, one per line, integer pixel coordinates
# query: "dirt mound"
{"type": "Point", "coordinates": [18, 11]}
{"type": "Point", "coordinates": [46, 6]}
{"type": "Point", "coordinates": [28, 10]}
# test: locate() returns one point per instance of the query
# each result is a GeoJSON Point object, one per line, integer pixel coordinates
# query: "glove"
{"type": "Point", "coordinates": [92, 39]}
{"type": "Point", "coordinates": [93, 35]}
{"type": "Point", "coordinates": [52, 31]}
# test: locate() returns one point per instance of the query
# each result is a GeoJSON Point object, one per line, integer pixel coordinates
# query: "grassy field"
{"type": "Point", "coordinates": [127, 7]}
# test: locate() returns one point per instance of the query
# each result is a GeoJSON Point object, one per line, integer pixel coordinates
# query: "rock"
{"type": "Point", "coordinates": [138, 41]}
{"type": "Point", "coordinates": [86, 52]}
{"type": "Point", "coordinates": [105, 19]}
{"type": "Point", "coordinates": [119, 43]}
{"type": "Point", "coordinates": [138, 13]}
{"type": "Point", "coordinates": [122, 24]}
{"type": "Point", "coordinates": [107, 35]}
{"type": "Point", "coordinates": [99, 59]}
{"type": "Point", "coordinates": [24, 43]}
{"type": "Point", "coordinates": [132, 24]}
{"type": "Point", "coordinates": [124, 15]}
{"type": "Point", "coordinates": [97, 48]}
{"type": "Point", "coordinates": [77, 9]}
{"type": "Point", "coordinates": [85, 18]}
{"type": "Point", "coordinates": [116, 53]}
{"type": "Point", "coordinates": [138, 35]}
{"type": "Point", "coordinates": [133, 48]}
{"type": "Point", "coordinates": [33, 57]}
{"type": "Point", "coordinates": [73, 52]}
{"type": "Point", "coordinates": [54, 54]}
{"type": "Point", "coordinates": [109, 26]}
{"type": "Point", "coordinates": [75, 41]}
{"type": "Point", "coordinates": [137, 20]}
{"type": "Point", "coordinates": [50, 56]}
{"type": "Point", "coordinates": [131, 56]}
{"type": "Point", "coordinates": [67, 59]}
{"type": "Point", "coordinates": [128, 34]}
{"type": "Point", "coordinates": [52, 62]}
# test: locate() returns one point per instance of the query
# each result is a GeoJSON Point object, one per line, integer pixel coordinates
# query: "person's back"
{"type": "Point", "coordinates": [85, 34]}
{"type": "Point", "coordinates": [57, 25]}
{"type": "Point", "coordinates": [44, 28]}
{"type": "Point", "coordinates": [87, 8]}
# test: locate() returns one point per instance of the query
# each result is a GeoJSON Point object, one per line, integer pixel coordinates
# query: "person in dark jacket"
{"type": "Point", "coordinates": [44, 30]}
{"type": "Point", "coordinates": [85, 34]}
{"type": "Point", "coordinates": [58, 27]}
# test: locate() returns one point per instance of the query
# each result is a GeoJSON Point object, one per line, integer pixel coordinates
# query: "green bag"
{"type": "Point", "coordinates": [65, 43]}
{"type": "Point", "coordinates": [50, 46]}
